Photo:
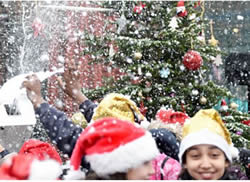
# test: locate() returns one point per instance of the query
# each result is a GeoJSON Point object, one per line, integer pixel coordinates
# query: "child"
{"type": "Point", "coordinates": [206, 149]}
{"type": "Point", "coordinates": [164, 129]}
{"type": "Point", "coordinates": [171, 120]}
{"type": "Point", "coordinates": [116, 149]}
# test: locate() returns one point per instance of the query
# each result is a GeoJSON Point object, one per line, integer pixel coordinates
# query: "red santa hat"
{"type": "Point", "coordinates": [111, 145]}
{"type": "Point", "coordinates": [181, 9]}
{"type": "Point", "coordinates": [169, 116]}
{"type": "Point", "coordinates": [41, 150]}
{"type": "Point", "coordinates": [24, 167]}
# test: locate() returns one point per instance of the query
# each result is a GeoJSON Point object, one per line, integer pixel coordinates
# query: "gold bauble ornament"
{"type": "Point", "coordinates": [236, 30]}
{"type": "Point", "coordinates": [203, 100]}
{"type": "Point", "coordinates": [137, 55]}
{"type": "Point", "coordinates": [233, 105]}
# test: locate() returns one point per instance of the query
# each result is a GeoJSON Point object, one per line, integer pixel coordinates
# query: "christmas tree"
{"type": "Point", "coordinates": [160, 49]}
{"type": "Point", "coordinates": [238, 124]}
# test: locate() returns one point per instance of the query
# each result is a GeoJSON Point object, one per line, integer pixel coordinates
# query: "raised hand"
{"type": "Point", "coordinates": [71, 83]}
{"type": "Point", "coordinates": [33, 87]}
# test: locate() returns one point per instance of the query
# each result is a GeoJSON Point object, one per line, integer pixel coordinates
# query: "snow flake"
{"type": "Point", "coordinates": [164, 73]}
{"type": "Point", "coordinates": [173, 23]}
{"type": "Point", "coordinates": [218, 60]}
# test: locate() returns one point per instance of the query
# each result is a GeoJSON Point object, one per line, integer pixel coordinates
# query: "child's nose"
{"type": "Point", "coordinates": [205, 162]}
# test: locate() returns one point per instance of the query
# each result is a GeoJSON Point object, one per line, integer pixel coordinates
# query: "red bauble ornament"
{"type": "Point", "coordinates": [192, 60]}
{"type": "Point", "coordinates": [246, 122]}
{"type": "Point", "coordinates": [138, 8]}
{"type": "Point", "coordinates": [181, 9]}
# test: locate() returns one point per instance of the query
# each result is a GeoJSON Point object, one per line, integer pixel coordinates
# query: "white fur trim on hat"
{"type": "Point", "coordinates": [45, 170]}
{"type": "Point", "coordinates": [74, 175]}
{"type": "Point", "coordinates": [125, 157]}
{"type": "Point", "coordinates": [205, 137]}
{"type": "Point", "coordinates": [234, 152]}
{"type": "Point", "coordinates": [180, 9]}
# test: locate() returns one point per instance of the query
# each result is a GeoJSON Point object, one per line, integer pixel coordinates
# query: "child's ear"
{"type": "Point", "coordinates": [227, 164]}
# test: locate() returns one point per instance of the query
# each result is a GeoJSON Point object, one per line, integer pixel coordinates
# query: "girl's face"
{"type": "Point", "coordinates": [143, 172]}
{"type": "Point", "coordinates": [205, 162]}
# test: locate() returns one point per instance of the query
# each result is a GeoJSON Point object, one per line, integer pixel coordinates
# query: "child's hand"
{"type": "Point", "coordinates": [33, 87]}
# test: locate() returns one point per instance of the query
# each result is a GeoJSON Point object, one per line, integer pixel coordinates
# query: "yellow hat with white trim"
{"type": "Point", "coordinates": [207, 127]}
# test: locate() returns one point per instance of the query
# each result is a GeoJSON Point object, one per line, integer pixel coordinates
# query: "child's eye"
{"type": "Point", "coordinates": [195, 156]}
{"type": "Point", "coordinates": [215, 155]}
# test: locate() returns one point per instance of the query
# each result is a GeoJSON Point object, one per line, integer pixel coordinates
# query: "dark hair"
{"type": "Point", "coordinates": [116, 176]}
{"type": "Point", "coordinates": [184, 175]}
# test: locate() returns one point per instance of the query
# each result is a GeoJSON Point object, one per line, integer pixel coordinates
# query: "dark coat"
{"type": "Point", "coordinates": [166, 142]}
{"type": "Point", "coordinates": [61, 130]}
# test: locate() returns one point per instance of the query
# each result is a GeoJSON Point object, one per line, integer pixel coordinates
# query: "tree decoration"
{"type": "Point", "coordinates": [239, 132]}
{"type": "Point", "coordinates": [111, 51]}
{"type": "Point", "coordinates": [224, 106]}
{"type": "Point", "coordinates": [217, 71]}
{"type": "Point", "coordinates": [122, 22]}
{"type": "Point", "coordinates": [172, 94]}
{"type": "Point", "coordinates": [37, 26]}
{"type": "Point", "coordinates": [203, 100]}
{"type": "Point", "coordinates": [173, 24]}
{"type": "Point", "coordinates": [246, 122]}
{"type": "Point", "coordinates": [195, 92]}
{"type": "Point", "coordinates": [138, 8]}
{"type": "Point", "coordinates": [164, 73]}
{"type": "Point", "coordinates": [218, 60]}
{"type": "Point", "coordinates": [212, 41]}
{"type": "Point", "coordinates": [181, 9]}
{"type": "Point", "coordinates": [137, 55]}
{"type": "Point", "coordinates": [192, 60]}
{"type": "Point", "coordinates": [233, 105]}
{"type": "Point", "coordinates": [201, 37]}
{"type": "Point", "coordinates": [236, 30]}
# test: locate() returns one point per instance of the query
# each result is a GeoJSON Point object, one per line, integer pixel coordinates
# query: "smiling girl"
{"type": "Point", "coordinates": [206, 149]}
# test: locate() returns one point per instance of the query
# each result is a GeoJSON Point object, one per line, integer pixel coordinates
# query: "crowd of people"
{"type": "Point", "coordinates": [112, 140]}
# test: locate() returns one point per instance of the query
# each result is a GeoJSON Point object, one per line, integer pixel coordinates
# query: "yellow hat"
{"type": "Point", "coordinates": [207, 127]}
{"type": "Point", "coordinates": [117, 106]}
{"type": "Point", "coordinates": [79, 119]}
